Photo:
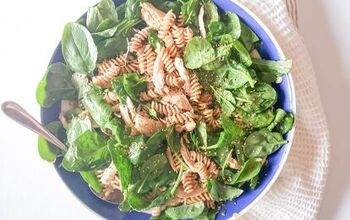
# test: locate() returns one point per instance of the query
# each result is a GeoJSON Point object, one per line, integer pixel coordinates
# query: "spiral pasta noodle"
{"type": "Point", "coordinates": [165, 109]}
{"type": "Point", "coordinates": [137, 41]}
{"type": "Point", "coordinates": [170, 45]}
{"type": "Point", "coordinates": [173, 160]}
{"type": "Point", "coordinates": [172, 80]}
{"type": "Point", "coordinates": [150, 55]}
{"type": "Point", "coordinates": [167, 23]}
{"type": "Point", "coordinates": [188, 34]}
{"type": "Point", "coordinates": [104, 80]}
{"type": "Point", "coordinates": [196, 89]}
{"type": "Point", "coordinates": [189, 181]}
{"type": "Point", "coordinates": [179, 37]}
{"type": "Point", "coordinates": [166, 59]}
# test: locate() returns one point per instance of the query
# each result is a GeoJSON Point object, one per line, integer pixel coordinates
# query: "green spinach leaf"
{"type": "Point", "coordinates": [122, 163]}
{"type": "Point", "coordinates": [133, 85]}
{"type": "Point", "coordinates": [185, 211]}
{"type": "Point", "coordinates": [104, 11]}
{"type": "Point", "coordinates": [198, 52]}
{"type": "Point", "coordinates": [249, 170]}
{"type": "Point", "coordinates": [55, 86]}
{"type": "Point", "coordinates": [286, 124]}
{"type": "Point", "coordinates": [221, 192]}
{"type": "Point", "coordinates": [249, 39]}
{"type": "Point", "coordinates": [281, 66]}
{"type": "Point", "coordinates": [226, 100]}
{"type": "Point", "coordinates": [78, 48]}
{"type": "Point", "coordinates": [91, 178]}
{"type": "Point", "coordinates": [279, 115]}
{"type": "Point", "coordinates": [262, 143]}
{"type": "Point", "coordinates": [233, 25]}
{"type": "Point", "coordinates": [258, 120]}
{"type": "Point", "coordinates": [48, 151]}
{"type": "Point", "coordinates": [77, 127]}
{"type": "Point", "coordinates": [111, 47]}
{"type": "Point", "coordinates": [88, 152]}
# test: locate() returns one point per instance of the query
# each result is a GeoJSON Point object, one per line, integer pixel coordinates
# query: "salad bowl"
{"type": "Point", "coordinates": [269, 49]}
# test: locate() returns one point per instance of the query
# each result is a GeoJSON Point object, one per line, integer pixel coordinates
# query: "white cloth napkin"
{"type": "Point", "coordinates": [298, 191]}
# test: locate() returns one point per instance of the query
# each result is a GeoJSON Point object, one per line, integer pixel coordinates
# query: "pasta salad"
{"type": "Point", "coordinates": [169, 102]}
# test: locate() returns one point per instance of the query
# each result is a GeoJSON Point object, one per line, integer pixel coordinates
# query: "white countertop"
{"type": "Point", "coordinates": [30, 30]}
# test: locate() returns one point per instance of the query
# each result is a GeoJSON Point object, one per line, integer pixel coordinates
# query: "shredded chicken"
{"type": "Point", "coordinates": [233, 164]}
{"type": "Point", "coordinates": [178, 99]}
{"type": "Point", "coordinates": [125, 116]}
{"type": "Point", "coordinates": [151, 15]}
{"type": "Point", "coordinates": [201, 22]}
{"type": "Point", "coordinates": [147, 126]}
{"type": "Point", "coordinates": [158, 73]}
{"type": "Point", "coordinates": [108, 174]}
{"type": "Point", "coordinates": [183, 72]}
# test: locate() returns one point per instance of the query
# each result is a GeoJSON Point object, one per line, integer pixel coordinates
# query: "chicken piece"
{"type": "Point", "coordinates": [151, 15]}
{"type": "Point", "coordinates": [201, 22]}
{"type": "Point", "coordinates": [178, 99]}
{"type": "Point", "coordinates": [158, 73]}
{"type": "Point", "coordinates": [147, 126]}
{"type": "Point", "coordinates": [183, 72]}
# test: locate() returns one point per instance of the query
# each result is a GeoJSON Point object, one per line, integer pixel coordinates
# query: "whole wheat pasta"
{"type": "Point", "coordinates": [173, 159]}
{"type": "Point", "coordinates": [189, 181]}
{"type": "Point", "coordinates": [167, 60]}
{"type": "Point", "coordinates": [179, 37]}
{"type": "Point", "coordinates": [170, 44]}
{"type": "Point", "coordinates": [173, 80]}
{"type": "Point", "coordinates": [165, 109]}
{"type": "Point", "coordinates": [196, 88]}
{"type": "Point", "coordinates": [104, 80]}
{"type": "Point", "coordinates": [167, 22]}
{"type": "Point", "coordinates": [137, 41]}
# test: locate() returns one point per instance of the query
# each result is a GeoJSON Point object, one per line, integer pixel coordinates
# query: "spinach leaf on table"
{"type": "Point", "coordinates": [91, 178]}
{"type": "Point", "coordinates": [221, 192]}
{"type": "Point", "coordinates": [103, 12]}
{"type": "Point", "coordinates": [48, 151]}
{"type": "Point", "coordinates": [185, 211]}
{"type": "Point", "coordinates": [88, 152]}
{"type": "Point", "coordinates": [122, 163]}
{"type": "Point", "coordinates": [198, 52]}
{"type": "Point", "coordinates": [78, 49]}
{"type": "Point", "coordinates": [56, 85]}
{"type": "Point", "coordinates": [262, 143]}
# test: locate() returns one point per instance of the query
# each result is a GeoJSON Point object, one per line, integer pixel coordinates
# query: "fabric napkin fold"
{"type": "Point", "coordinates": [298, 191]}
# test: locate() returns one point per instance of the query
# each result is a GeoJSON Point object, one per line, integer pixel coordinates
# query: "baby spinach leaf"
{"type": "Point", "coordinates": [249, 39]}
{"type": "Point", "coordinates": [237, 75]}
{"type": "Point", "coordinates": [198, 52]}
{"type": "Point", "coordinates": [104, 10]}
{"type": "Point", "coordinates": [121, 29]}
{"type": "Point", "coordinates": [258, 120]}
{"type": "Point", "coordinates": [88, 152]}
{"type": "Point", "coordinates": [281, 66]}
{"type": "Point", "coordinates": [210, 13]}
{"type": "Point", "coordinates": [262, 143]}
{"type": "Point", "coordinates": [242, 53]}
{"type": "Point", "coordinates": [100, 111]}
{"type": "Point", "coordinates": [286, 124]}
{"type": "Point", "coordinates": [136, 201]}
{"type": "Point", "coordinates": [249, 170]}
{"type": "Point", "coordinates": [78, 48]}
{"type": "Point", "coordinates": [132, 9]}
{"type": "Point", "coordinates": [122, 163]}
{"type": "Point", "coordinates": [55, 86]}
{"type": "Point", "coordinates": [48, 151]}
{"type": "Point", "coordinates": [153, 39]}
{"type": "Point", "coordinates": [279, 115]}
{"type": "Point", "coordinates": [133, 85]}
{"type": "Point", "coordinates": [215, 30]}
{"type": "Point", "coordinates": [221, 192]}
{"type": "Point", "coordinates": [136, 148]}
{"type": "Point", "coordinates": [149, 171]}
{"type": "Point", "coordinates": [233, 25]}
{"type": "Point", "coordinates": [231, 134]}
{"type": "Point", "coordinates": [91, 178]}
{"type": "Point", "coordinates": [257, 99]}
{"type": "Point", "coordinates": [153, 167]}
{"type": "Point", "coordinates": [111, 47]}
{"type": "Point", "coordinates": [190, 10]}
{"type": "Point", "coordinates": [77, 127]}
{"type": "Point", "coordinates": [172, 138]}
{"type": "Point", "coordinates": [254, 182]}
{"type": "Point", "coordinates": [226, 100]}
{"type": "Point", "coordinates": [185, 211]}
{"type": "Point", "coordinates": [202, 133]}
{"type": "Point", "coordinates": [118, 88]}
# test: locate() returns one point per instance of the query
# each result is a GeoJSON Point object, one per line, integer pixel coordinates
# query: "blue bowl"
{"type": "Point", "coordinates": [269, 50]}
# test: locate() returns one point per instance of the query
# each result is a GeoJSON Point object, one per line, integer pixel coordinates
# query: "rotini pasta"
{"type": "Point", "coordinates": [179, 37]}
{"type": "Point", "coordinates": [137, 41]}
{"type": "Point", "coordinates": [196, 89]}
{"type": "Point", "coordinates": [104, 80]}
{"type": "Point", "coordinates": [164, 109]}
{"type": "Point", "coordinates": [167, 22]}
{"type": "Point", "coordinates": [167, 60]}
{"type": "Point", "coordinates": [189, 181]}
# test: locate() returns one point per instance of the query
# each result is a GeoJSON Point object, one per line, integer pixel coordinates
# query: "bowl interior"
{"type": "Point", "coordinates": [286, 100]}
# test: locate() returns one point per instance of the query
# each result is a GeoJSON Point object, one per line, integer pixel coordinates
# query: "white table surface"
{"type": "Point", "coordinates": [29, 32]}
